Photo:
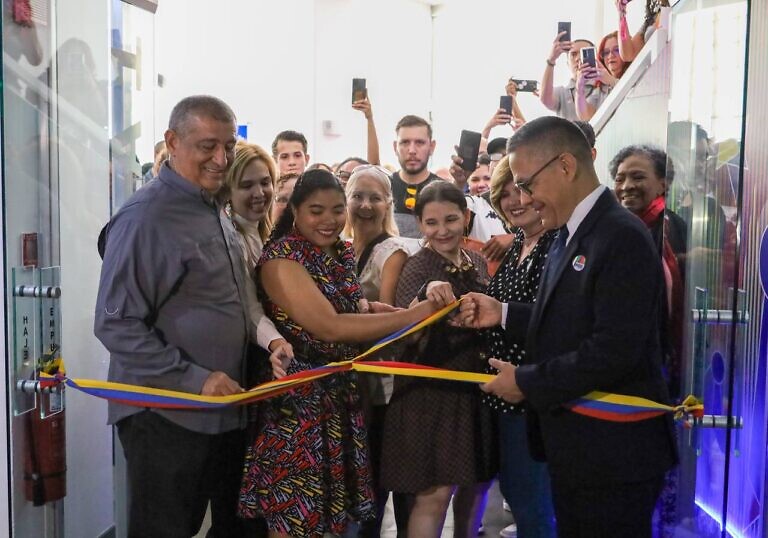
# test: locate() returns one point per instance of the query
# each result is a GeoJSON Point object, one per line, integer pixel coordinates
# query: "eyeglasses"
{"type": "Point", "coordinates": [364, 167]}
{"type": "Point", "coordinates": [526, 183]}
{"type": "Point", "coordinates": [607, 52]}
{"type": "Point", "coordinates": [344, 175]}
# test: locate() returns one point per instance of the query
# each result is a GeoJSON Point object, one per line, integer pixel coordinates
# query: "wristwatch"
{"type": "Point", "coordinates": [550, 63]}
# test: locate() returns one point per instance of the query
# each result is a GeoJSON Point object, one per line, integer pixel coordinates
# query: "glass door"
{"type": "Point", "coordinates": [704, 146]}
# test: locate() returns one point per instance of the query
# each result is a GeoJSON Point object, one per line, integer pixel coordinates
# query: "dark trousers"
{"type": "Point", "coordinates": [401, 501]}
{"type": "Point", "coordinates": [523, 482]}
{"type": "Point", "coordinates": [609, 511]}
{"type": "Point", "coordinates": [172, 475]}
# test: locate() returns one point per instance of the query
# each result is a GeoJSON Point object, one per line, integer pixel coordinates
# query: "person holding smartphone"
{"type": "Point", "coordinates": [372, 149]}
{"type": "Point", "coordinates": [592, 86]}
{"type": "Point", "coordinates": [562, 99]}
{"type": "Point", "coordinates": [630, 45]}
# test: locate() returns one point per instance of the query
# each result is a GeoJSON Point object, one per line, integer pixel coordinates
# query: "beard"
{"type": "Point", "coordinates": [414, 169]}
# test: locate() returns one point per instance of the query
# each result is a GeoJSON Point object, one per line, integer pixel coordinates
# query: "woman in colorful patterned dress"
{"type": "Point", "coordinates": [307, 470]}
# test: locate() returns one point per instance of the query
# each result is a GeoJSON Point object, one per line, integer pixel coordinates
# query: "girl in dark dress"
{"type": "Point", "coordinates": [438, 437]}
{"type": "Point", "coordinates": [307, 471]}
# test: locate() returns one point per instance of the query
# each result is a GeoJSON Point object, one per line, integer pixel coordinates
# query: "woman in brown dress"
{"type": "Point", "coordinates": [438, 437]}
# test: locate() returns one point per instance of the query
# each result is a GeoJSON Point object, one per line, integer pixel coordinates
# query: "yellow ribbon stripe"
{"type": "Point", "coordinates": [596, 404]}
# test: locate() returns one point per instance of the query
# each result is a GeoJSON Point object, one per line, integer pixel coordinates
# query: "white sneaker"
{"type": "Point", "coordinates": [505, 506]}
{"type": "Point", "coordinates": [509, 531]}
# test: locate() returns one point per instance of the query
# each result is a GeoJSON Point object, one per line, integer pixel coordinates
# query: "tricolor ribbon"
{"type": "Point", "coordinates": [599, 405]}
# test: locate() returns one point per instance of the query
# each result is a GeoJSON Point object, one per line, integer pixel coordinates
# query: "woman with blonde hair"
{"type": "Point", "coordinates": [380, 256]}
{"type": "Point", "coordinates": [523, 482]}
{"type": "Point", "coordinates": [247, 196]}
{"type": "Point", "coordinates": [371, 225]}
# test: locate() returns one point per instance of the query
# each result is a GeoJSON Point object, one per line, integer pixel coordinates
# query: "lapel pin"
{"type": "Point", "coordinates": [578, 263]}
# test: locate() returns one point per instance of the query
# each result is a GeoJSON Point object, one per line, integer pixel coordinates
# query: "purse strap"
{"type": "Point", "coordinates": [368, 250]}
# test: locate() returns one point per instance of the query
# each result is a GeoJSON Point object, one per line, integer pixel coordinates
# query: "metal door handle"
{"type": "Point", "coordinates": [715, 317]}
{"type": "Point", "coordinates": [717, 421]}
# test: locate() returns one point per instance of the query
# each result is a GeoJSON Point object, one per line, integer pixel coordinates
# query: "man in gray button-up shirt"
{"type": "Point", "coordinates": [171, 311]}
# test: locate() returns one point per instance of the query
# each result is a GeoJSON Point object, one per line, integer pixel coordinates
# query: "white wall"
{"type": "Point", "coordinates": [289, 64]}
{"type": "Point", "coordinates": [257, 56]}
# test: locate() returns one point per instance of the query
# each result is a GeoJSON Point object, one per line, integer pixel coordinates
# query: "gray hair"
{"type": "Point", "coordinates": [205, 106]}
{"type": "Point", "coordinates": [381, 176]}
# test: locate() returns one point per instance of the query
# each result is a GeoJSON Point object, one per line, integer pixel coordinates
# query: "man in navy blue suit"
{"type": "Point", "coordinates": [593, 327]}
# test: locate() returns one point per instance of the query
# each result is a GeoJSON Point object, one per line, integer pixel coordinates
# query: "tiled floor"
{"type": "Point", "coordinates": [495, 519]}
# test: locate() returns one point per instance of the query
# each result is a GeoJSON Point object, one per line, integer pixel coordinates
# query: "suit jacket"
{"type": "Point", "coordinates": [596, 328]}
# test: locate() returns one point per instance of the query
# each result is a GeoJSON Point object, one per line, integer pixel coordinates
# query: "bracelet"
{"type": "Point", "coordinates": [421, 295]}
{"type": "Point", "coordinates": [550, 63]}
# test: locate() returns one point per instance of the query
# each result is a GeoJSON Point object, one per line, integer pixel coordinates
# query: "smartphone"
{"type": "Point", "coordinates": [564, 27]}
{"type": "Point", "coordinates": [469, 149]}
{"type": "Point", "coordinates": [505, 102]}
{"type": "Point", "coordinates": [588, 56]}
{"type": "Point", "coordinates": [525, 85]}
{"type": "Point", "coordinates": [359, 91]}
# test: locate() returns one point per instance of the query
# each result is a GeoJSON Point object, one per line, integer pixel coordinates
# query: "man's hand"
{"type": "Point", "coordinates": [496, 247]}
{"type": "Point", "coordinates": [559, 47]}
{"type": "Point", "coordinates": [364, 106]}
{"type": "Point", "coordinates": [220, 384]}
{"type": "Point", "coordinates": [478, 311]}
{"type": "Point", "coordinates": [500, 117]}
{"type": "Point", "coordinates": [281, 357]}
{"type": "Point", "coordinates": [460, 176]}
{"type": "Point", "coordinates": [504, 385]}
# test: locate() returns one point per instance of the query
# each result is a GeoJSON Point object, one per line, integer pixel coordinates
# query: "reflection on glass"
{"type": "Point", "coordinates": [132, 78]}
{"type": "Point", "coordinates": [704, 145]}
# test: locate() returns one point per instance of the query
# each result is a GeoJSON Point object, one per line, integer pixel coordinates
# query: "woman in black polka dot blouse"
{"type": "Point", "coordinates": [523, 481]}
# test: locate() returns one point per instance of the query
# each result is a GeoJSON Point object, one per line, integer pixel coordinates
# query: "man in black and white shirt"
{"type": "Point", "coordinates": [414, 146]}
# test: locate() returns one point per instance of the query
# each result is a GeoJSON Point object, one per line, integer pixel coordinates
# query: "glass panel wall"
{"type": "Point", "coordinates": [56, 178]}
{"type": "Point", "coordinates": [704, 146]}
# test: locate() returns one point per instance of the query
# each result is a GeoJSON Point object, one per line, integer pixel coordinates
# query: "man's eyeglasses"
{"type": "Point", "coordinates": [526, 183]}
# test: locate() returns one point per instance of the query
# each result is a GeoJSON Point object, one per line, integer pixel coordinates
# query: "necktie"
{"type": "Point", "coordinates": [555, 257]}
